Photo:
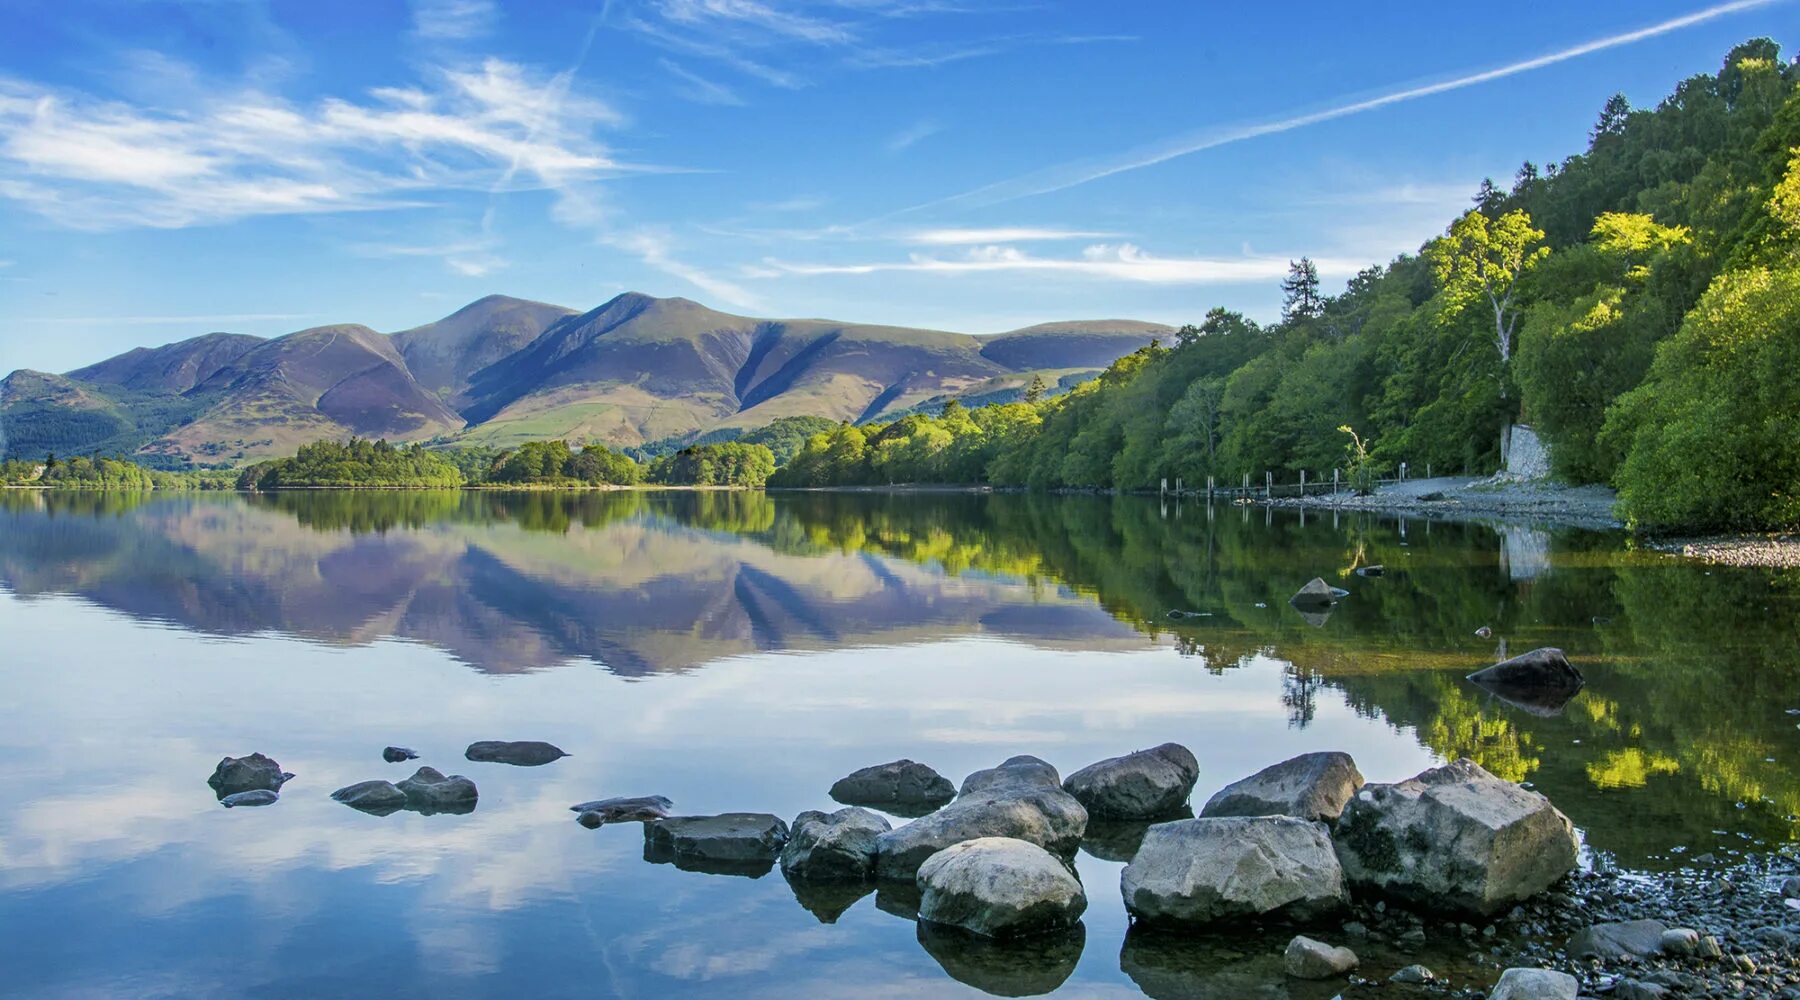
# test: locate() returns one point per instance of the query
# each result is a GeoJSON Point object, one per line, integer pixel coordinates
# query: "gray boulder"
{"type": "Point", "coordinates": [1628, 939]}
{"type": "Point", "coordinates": [1542, 681]}
{"type": "Point", "coordinates": [838, 847]}
{"type": "Point", "coordinates": [1144, 785]}
{"type": "Point", "coordinates": [625, 809]}
{"type": "Point", "coordinates": [734, 838]}
{"type": "Point", "coordinates": [1311, 786]}
{"type": "Point", "coordinates": [1413, 975]}
{"type": "Point", "coordinates": [380, 797]}
{"type": "Point", "coordinates": [253, 797]}
{"type": "Point", "coordinates": [1454, 838]}
{"type": "Point", "coordinates": [902, 787]}
{"type": "Point", "coordinates": [1021, 798]}
{"type": "Point", "coordinates": [519, 753]}
{"type": "Point", "coordinates": [1681, 941]}
{"type": "Point", "coordinates": [1309, 959]}
{"type": "Point", "coordinates": [1535, 984]}
{"type": "Point", "coordinates": [999, 887]}
{"type": "Point", "coordinates": [1317, 594]}
{"type": "Point", "coordinates": [243, 774]}
{"type": "Point", "coordinates": [1202, 871]}
{"type": "Point", "coordinates": [396, 755]}
{"type": "Point", "coordinates": [430, 791]}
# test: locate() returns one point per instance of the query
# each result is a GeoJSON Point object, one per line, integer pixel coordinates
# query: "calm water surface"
{"type": "Point", "coordinates": [741, 652]}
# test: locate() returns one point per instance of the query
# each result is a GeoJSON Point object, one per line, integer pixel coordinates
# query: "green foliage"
{"type": "Point", "coordinates": [97, 474]}
{"type": "Point", "coordinates": [355, 463]}
{"type": "Point", "coordinates": [785, 436]}
{"type": "Point", "coordinates": [732, 463]}
{"type": "Point", "coordinates": [1360, 467]}
{"type": "Point", "coordinates": [554, 463]}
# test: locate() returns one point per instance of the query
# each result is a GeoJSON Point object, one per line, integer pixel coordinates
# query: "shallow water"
{"type": "Point", "coordinates": [741, 652]}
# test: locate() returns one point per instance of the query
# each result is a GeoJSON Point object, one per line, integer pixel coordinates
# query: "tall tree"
{"type": "Point", "coordinates": [1481, 260]}
{"type": "Point", "coordinates": [1300, 297]}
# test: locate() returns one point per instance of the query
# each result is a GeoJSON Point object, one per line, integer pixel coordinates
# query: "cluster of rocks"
{"type": "Point", "coordinates": [256, 780]}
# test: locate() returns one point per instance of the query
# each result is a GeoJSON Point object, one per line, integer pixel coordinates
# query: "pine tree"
{"type": "Point", "coordinates": [1300, 291]}
{"type": "Point", "coordinates": [1035, 391]}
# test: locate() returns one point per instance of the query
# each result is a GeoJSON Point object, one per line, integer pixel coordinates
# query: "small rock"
{"type": "Point", "coordinates": [243, 774]}
{"type": "Point", "coordinates": [1317, 594]}
{"type": "Point", "coordinates": [380, 797]}
{"type": "Point", "coordinates": [838, 847]}
{"type": "Point", "coordinates": [1790, 887]}
{"type": "Point", "coordinates": [1630, 939]}
{"type": "Point", "coordinates": [591, 819]}
{"type": "Point", "coordinates": [1535, 984]}
{"type": "Point", "coordinates": [1745, 964]}
{"type": "Point", "coordinates": [520, 753]}
{"type": "Point", "coordinates": [1309, 959]}
{"type": "Point", "coordinates": [1541, 681]}
{"type": "Point", "coordinates": [430, 791]}
{"type": "Point", "coordinates": [1147, 784]}
{"type": "Point", "coordinates": [904, 787]}
{"type": "Point", "coordinates": [1413, 975]}
{"type": "Point", "coordinates": [999, 887]}
{"type": "Point", "coordinates": [1709, 948]}
{"type": "Point", "coordinates": [1680, 941]}
{"type": "Point", "coordinates": [1633, 989]}
{"type": "Point", "coordinates": [1374, 570]}
{"type": "Point", "coordinates": [1484, 633]}
{"type": "Point", "coordinates": [626, 809]}
{"type": "Point", "coordinates": [253, 797]}
{"type": "Point", "coordinates": [1311, 786]}
{"type": "Point", "coordinates": [728, 837]}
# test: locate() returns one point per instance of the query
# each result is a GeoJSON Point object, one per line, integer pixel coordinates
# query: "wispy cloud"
{"type": "Point", "coordinates": [1116, 262]}
{"type": "Point", "coordinates": [932, 57]}
{"type": "Point", "coordinates": [1001, 234]}
{"type": "Point", "coordinates": [453, 20]}
{"type": "Point", "coordinates": [656, 248]}
{"type": "Point", "coordinates": [1068, 175]}
{"type": "Point", "coordinates": [911, 135]}
{"type": "Point", "coordinates": [699, 89]}
{"type": "Point", "coordinates": [472, 258]}
{"type": "Point", "coordinates": [92, 164]}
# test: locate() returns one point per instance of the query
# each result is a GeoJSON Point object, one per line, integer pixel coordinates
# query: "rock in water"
{"type": "Point", "coordinates": [253, 797]}
{"type": "Point", "coordinates": [379, 797]}
{"type": "Point", "coordinates": [1541, 681]}
{"type": "Point", "coordinates": [521, 753]}
{"type": "Point", "coordinates": [1413, 975]}
{"type": "Point", "coordinates": [1317, 594]}
{"type": "Point", "coordinates": [243, 774]}
{"type": "Point", "coordinates": [1368, 571]}
{"type": "Point", "coordinates": [1144, 785]}
{"type": "Point", "coordinates": [1535, 984]}
{"type": "Point", "coordinates": [999, 887]}
{"type": "Point", "coordinates": [1309, 959]}
{"type": "Point", "coordinates": [1021, 798]}
{"type": "Point", "coordinates": [1310, 786]}
{"type": "Point", "coordinates": [733, 838]}
{"type": "Point", "coordinates": [396, 755]}
{"type": "Point", "coordinates": [626, 810]}
{"type": "Point", "coordinates": [429, 791]}
{"type": "Point", "coordinates": [1629, 939]}
{"type": "Point", "coordinates": [903, 787]}
{"type": "Point", "coordinates": [1222, 870]}
{"type": "Point", "coordinates": [1454, 838]}
{"type": "Point", "coordinates": [839, 847]}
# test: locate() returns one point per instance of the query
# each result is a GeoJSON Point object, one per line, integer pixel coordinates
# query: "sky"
{"type": "Point", "coordinates": [174, 167]}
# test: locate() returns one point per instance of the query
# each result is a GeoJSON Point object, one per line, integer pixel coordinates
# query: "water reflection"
{"type": "Point", "coordinates": [740, 651]}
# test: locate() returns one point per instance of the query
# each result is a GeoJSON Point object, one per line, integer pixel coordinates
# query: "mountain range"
{"type": "Point", "coordinates": [501, 371]}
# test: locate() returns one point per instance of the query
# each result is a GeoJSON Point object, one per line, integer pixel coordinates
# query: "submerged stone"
{"type": "Point", "coordinates": [243, 774]}
{"type": "Point", "coordinates": [625, 809]}
{"type": "Point", "coordinates": [379, 797]}
{"type": "Point", "coordinates": [253, 797]}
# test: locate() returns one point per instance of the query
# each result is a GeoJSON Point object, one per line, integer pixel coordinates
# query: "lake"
{"type": "Point", "coordinates": [741, 651]}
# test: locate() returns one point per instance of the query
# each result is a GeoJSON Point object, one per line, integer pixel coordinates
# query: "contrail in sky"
{"type": "Point", "coordinates": [1068, 175]}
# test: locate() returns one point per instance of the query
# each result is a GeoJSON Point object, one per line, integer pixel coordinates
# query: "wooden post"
{"type": "Point", "coordinates": [1209, 489]}
{"type": "Point", "coordinates": [1164, 491]}
{"type": "Point", "coordinates": [1177, 487]}
{"type": "Point", "coordinates": [1427, 470]}
{"type": "Point", "coordinates": [1303, 484]}
{"type": "Point", "coordinates": [1268, 485]}
{"type": "Point", "coordinates": [1334, 482]}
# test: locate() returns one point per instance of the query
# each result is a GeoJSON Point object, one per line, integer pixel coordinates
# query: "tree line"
{"type": "Point", "coordinates": [363, 464]}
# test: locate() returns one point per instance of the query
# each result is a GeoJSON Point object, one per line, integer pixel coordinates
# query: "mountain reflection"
{"type": "Point", "coordinates": [1689, 671]}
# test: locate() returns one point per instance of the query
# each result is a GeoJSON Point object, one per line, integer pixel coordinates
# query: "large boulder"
{"type": "Point", "coordinates": [732, 838]}
{"type": "Point", "coordinates": [999, 887]}
{"type": "Point", "coordinates": [431, 791]}
{"type": "Point", "coordinates": [623, 809]}
{"type": "Point", "coordinates": [1226, 869]}
{"type": "Point", "coordinates": [1542, 681]}
{"type": "Point", "coordinates": [378, 797]}
{"type": "Point", "coordinates": [244, 774]}
{"type": "Point", "coordinates": [1021, 798]}
{"type": "Point", "coordinates": [1535, 984]}
{"type": "Point", "coordinates": [833, 847]}
{"type": "Point", "coordinates": [902, 787]}
{"type": "Point", "coordinates": [520, 753]}
{"type": "Point", "coordinates": [1454, 838]}
{"type": "Point", "coordinates": [1311, 786]}
{"type": "Point", "coordinates": [1147, 784]}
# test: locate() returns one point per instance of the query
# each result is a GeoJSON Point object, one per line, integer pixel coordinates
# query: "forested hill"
{"type": "Point", "coordinates": [1638, 303]}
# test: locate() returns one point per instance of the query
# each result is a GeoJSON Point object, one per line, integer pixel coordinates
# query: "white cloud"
{"type": "Point", "coordinates": [453, 20]}
{"type": "Point", "coordinates": [472, 258]}
{"type": "Point", "coordinates": [1068, 175]}
{"type": "Point", "coordinates": [1115, 262]}
{"type": "Point", "coordinates": [92, 164]}
{"type": "Point", "coordinates": [699, 89]}
{"type": "Point", "coordinates": [907, 137]}
{"type": "Point", "coordinates": [1002, 234]}
{"type": "Point", "coordinates": [656, 248]}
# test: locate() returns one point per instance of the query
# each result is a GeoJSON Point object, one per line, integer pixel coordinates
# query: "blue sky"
{"type": "Point", "coordinates": [172, 168]}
